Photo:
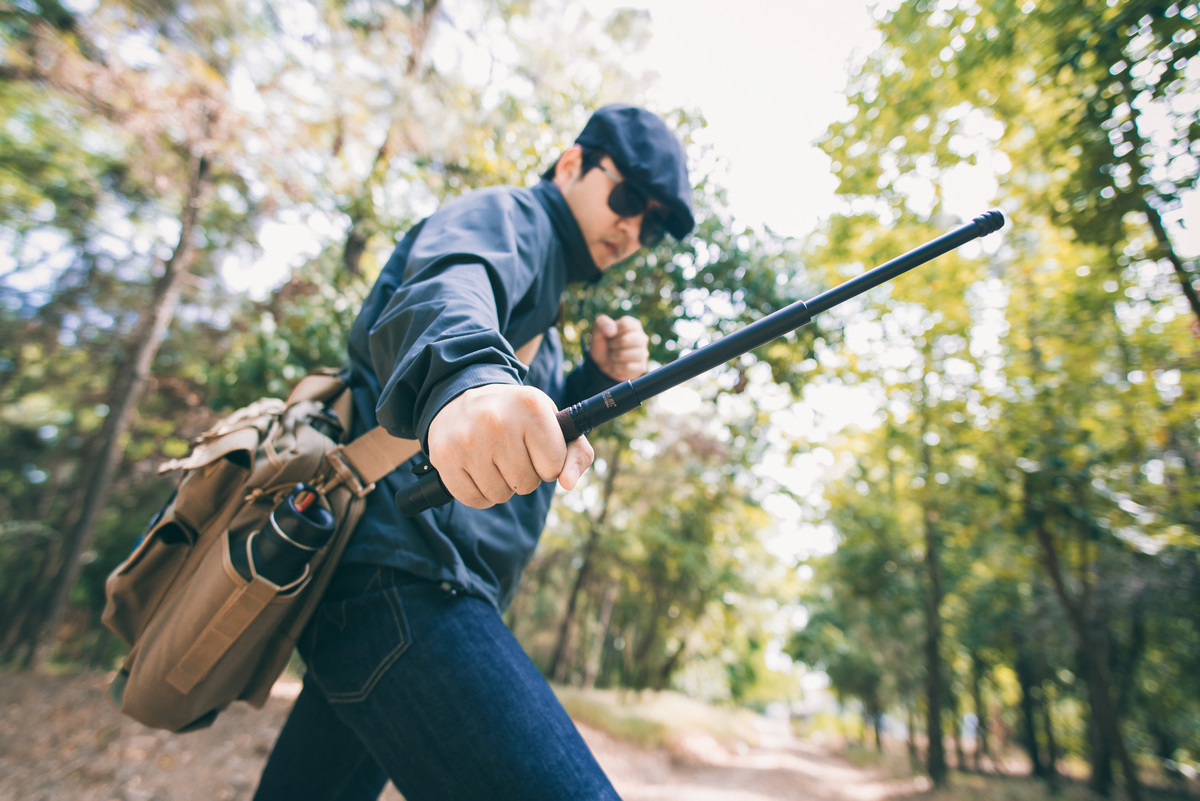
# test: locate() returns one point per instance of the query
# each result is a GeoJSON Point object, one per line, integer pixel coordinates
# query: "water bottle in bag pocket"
{"type": "Point", "coordinates": [281, 550]}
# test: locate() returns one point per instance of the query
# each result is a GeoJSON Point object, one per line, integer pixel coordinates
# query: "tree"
{"type": "Point", "coordinates": [1060, 107]}
{"type": "Point", "coordinates": [176, 131]}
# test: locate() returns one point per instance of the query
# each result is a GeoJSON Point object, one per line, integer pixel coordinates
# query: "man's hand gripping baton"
{"type": "Point", "coordinates": [578, 420]}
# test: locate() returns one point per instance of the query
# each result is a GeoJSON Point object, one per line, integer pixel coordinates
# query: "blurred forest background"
{"type": "Point", "coordinates": [1014, 528]}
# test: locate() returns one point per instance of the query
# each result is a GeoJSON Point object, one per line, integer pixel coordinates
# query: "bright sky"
{"type": "Point", "coordinates": [768, 76]}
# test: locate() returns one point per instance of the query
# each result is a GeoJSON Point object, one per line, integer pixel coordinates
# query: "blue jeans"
{"type": "Point", "coordinates": [410, 681]}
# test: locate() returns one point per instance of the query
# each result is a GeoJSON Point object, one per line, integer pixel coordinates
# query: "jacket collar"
{"type": "Point", "coordinates": [580, 266]}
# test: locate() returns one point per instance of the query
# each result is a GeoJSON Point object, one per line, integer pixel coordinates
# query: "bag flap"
{"type": "Point", "coordinates": [205, 453]}
{"type": "Point", "coordinates": [239, 431]}
{"type": "Point", "coordinates": [320, 385]}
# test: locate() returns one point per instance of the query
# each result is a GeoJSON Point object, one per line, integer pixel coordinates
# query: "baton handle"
{"type": "Point", "coordinates": [581, 418]}
{"type": "Point", "coordinates": [427, 493]}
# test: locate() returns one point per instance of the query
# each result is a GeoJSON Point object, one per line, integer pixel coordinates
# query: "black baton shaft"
{"type": "Point", "coordinates": [580, 418]}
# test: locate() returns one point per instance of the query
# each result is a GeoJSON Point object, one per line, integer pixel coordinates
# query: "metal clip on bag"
{"type": "Point", "coordinates": [269, 491]}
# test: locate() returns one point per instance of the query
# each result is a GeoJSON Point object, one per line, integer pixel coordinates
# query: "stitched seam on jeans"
{"type": "Point", "coordinates": [385, 663]}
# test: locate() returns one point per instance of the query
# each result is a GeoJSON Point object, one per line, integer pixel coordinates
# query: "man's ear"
{"type": "Point", "coordinates": [568, 166]}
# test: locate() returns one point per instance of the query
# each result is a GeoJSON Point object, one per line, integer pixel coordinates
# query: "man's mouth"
{"type": "Point", "coordinates": [616, 248]}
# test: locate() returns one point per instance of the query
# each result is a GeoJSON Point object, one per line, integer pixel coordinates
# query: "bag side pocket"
{"type": "Point", "coordinates": [136, 588]}
{"type": "Point", "coordinates": [204, 642]}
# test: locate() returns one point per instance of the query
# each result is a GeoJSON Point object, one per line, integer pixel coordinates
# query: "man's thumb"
{"type": "Point", "coordinates": [579, 459]}
{"type": "Point", "coordinates": [605, 326]}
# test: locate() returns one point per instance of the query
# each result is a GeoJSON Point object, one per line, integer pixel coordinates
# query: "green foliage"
{"type": "Point", "coordinates": [678, 561]}
{"type": "Point", "coordinates": [303, 327]}
{"type": "Point", "coordinates": [1039, 416]}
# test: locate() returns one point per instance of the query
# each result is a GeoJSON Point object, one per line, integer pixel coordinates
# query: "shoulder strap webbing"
{"type": "Point", "coordinates": [377, 453]}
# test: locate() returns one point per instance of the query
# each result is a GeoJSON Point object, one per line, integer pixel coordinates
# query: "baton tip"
{"type": "Point", "coordinates": [989, 222]}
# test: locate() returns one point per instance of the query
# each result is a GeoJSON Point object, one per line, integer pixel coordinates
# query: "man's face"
{"type": "Point", "coordinates": [610, 238]}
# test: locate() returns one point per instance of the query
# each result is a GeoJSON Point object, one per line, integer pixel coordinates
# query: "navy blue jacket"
{"type": "Point", "coordinates": [479, 278]}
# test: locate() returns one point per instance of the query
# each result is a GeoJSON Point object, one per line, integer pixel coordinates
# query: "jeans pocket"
{"type": "Point", "coordinates": [353, 642]}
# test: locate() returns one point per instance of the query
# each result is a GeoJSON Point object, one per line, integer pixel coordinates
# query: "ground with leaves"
{"type": "Point", "coordinates": [60, 739]}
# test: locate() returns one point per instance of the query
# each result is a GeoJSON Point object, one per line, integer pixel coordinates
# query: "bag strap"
{"type": "Point", "coordinates": [376, 453]}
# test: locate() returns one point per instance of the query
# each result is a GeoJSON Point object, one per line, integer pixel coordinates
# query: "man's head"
{"type": "Point", "coordinates": [625, 181]}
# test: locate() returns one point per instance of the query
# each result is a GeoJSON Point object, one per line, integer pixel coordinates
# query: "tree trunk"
{"type": "Point", "coordinates": [22, 598]}
{"type": "Point", "coordinates": [127, 389]}
{"type": "Point", "coordinates": [1166, 248]}
{"type": "Point", "coordinates": [592, 669]}
{"type": "Point", "coordinates": [1094, 656]}
{"type": "Point", "coordinates": [912, 738]}
{"type": "Point", "coordinates": [642, 672]}
{"type": "Point", "coordinates": [559, 663]}
{"type": "Point", "coordinates": [1051, 744]}
{"type": "Point", "coordinates": [960, 759]}
{"type": "Point", "coordinates": [873, 717]}
{"type": "Point", "coordinates": [364, 221]}
{"type": "Point", "coordinates": [936, 757]}
{"type": "Point", "coordinates": [1023, 666]}
{"type": "Point", "coordinates": [981, 714]}
{"type": "Point", "coordinates": [362, 212]}
{"type": "Point", "coordinates": [663, 677]}
{"type": "Point", "coordinates": [418, 35]}
{"type": "Point", "coordinates": [1100, 753]}
{"type": "Point", "coordinates": [1104, 725]}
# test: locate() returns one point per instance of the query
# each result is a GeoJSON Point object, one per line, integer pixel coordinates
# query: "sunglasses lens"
{"type": "Point", "coordinates": [653, 228]}
{"type": "Point", "coordinates": [626, 201]}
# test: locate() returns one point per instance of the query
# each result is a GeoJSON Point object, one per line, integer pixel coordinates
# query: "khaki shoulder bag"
{"type": "Point", "coordinates": [216, 592]}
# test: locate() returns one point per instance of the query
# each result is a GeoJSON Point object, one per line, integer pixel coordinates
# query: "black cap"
{"type": "Point", "coordinates": [647, 154]}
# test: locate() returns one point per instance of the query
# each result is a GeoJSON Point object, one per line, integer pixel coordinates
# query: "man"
{"type": "Point", "coordinates": [411, 672]}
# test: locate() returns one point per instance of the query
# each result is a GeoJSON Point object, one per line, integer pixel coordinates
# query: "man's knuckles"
{"type": "Point", "coordinates": [527, 485]}
{"type": "Point", "coordinates": [628, 324]}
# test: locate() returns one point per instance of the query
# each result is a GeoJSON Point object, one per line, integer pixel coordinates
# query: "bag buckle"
{"type": "Point", "coordinates": [346, 474]}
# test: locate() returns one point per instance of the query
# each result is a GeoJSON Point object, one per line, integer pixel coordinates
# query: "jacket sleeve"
{"type": "Point", "coordinates": [440, 332]}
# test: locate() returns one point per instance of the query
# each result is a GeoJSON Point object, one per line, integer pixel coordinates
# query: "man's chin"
{"type": "Point", "coordinates": [604, 259]}
{"type": "Point", "coordinates": [607, 256]}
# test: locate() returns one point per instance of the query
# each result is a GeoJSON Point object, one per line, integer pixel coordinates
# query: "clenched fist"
{"type": "Point", "coordinates": [620, 348]}
{"type": "Point", "coordinates": [494, 441]}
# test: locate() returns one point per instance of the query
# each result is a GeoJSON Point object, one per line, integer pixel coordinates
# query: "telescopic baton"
{"type": "Point", "coordinates": [578, 420]}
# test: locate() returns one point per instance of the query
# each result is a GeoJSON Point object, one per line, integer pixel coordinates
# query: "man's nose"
{"type": "Point", "coordinates": [632, 225]}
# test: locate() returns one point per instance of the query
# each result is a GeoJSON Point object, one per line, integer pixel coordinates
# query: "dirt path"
{"type": "Point", "coordinates": [779, 768]}
{"type": "Point", "coordinates": [60, 739]}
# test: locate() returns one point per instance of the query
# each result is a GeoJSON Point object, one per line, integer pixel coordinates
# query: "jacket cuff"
{"type": "Point", "coordinates": [476, 376]}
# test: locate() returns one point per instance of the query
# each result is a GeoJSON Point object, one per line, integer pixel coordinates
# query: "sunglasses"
{"type": "Point", "coordinates": [626, 200]}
